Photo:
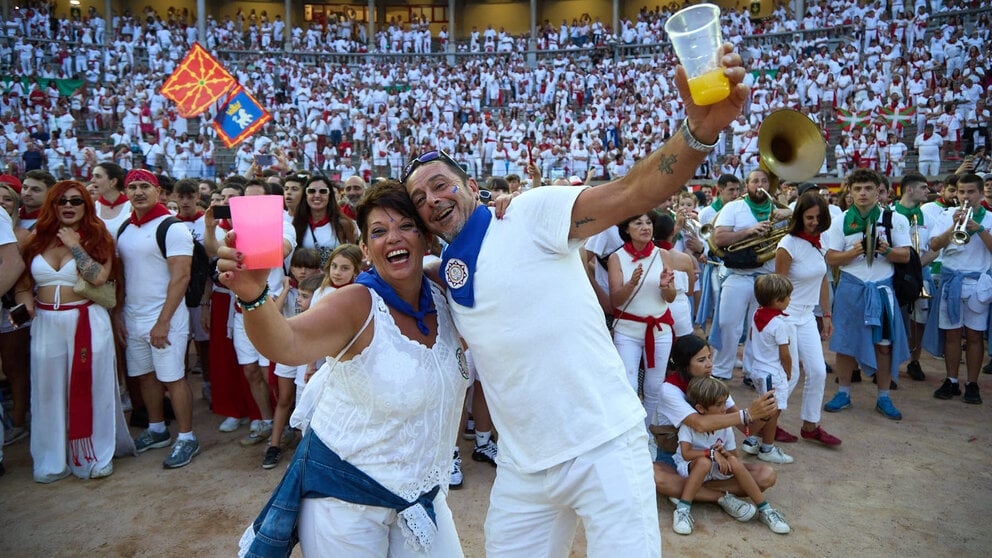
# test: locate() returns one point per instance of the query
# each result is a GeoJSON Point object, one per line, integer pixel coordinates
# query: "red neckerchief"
{"type": "Point", "coordinates": [225, 224]}
{"type": "Point", "coordinates": [664, 244]}
{"type": "Point", "coordinates": [942, 203]}
{"type": "Point", "coordinates": [28, 214]}
{"type": "Point", "coordinates": [336, 286]}
{"type": "Point", "coordinates": [121, 199]}
{"type": "Point", "coordinates": [764, 315]}
{"type": "Point", "coordinates": [986, 205]}
{"type": "Point", "coordinates": [317, 224]}
{"type": "Point", "coordinates": [927, 136]}
{"type": "Point", "coordinates": [813, 239]}
{"type": "Point", "coordinates": [155, 212]}
{"type": "Point", "coordinates": [192, 219]}
{"type": "Point", "coordinates": [678, 381]}
{"type": "Point", "coordinates": [629, 248]}
{"type": "Point", "coordinates": [347, 210]}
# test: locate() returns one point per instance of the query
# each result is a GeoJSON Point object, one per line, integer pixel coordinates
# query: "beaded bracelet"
{"type": "Point", "coordinates": [250, 305]}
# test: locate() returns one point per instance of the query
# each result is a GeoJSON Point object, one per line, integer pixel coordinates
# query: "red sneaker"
{"type": "Point", "coordinates": [783, 436]}
{"type": "Point", "coordinates": [820, 435]}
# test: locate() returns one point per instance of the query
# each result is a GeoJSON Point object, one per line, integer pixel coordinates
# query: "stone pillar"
{"type": "Point", "coordinates": [201, 22]}
{"type": "Point", "coordinates": [287, 18]}
{"type": "Point", "coordinates": [108, 20]}
{"type": "Point", "coordinates": [371, 29]}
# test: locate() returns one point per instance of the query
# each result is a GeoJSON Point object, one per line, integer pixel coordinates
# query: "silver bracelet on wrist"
{"type": "Point", "coordinates": [694, 143]}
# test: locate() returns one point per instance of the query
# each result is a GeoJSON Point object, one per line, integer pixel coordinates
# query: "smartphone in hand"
{"type": "Point", "coordinates": [19, 315]}
{"type": "Point", "coordinates": [768, 383]}
{"type": "Point", "coordinates": [222, 212]}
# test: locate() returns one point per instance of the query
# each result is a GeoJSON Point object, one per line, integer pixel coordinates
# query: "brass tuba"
{"type": "Point", "coordinates": [791, 147]}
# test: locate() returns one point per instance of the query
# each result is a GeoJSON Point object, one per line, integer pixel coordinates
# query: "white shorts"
{"type": "Point", "coordinates": [247, 354]}
{"type": "Point", "coordinates": [168, 363]}
{"type": "Point", "coordinates": [195, 326]}
{"type": "Point", "coordinates": [286, 371]}
{"type": "Point", "coordinates": [714, 474]}
{"type": "Point", "coordinates": [974, 315]}
{"type": "Point", "coordinates": [783, 387]}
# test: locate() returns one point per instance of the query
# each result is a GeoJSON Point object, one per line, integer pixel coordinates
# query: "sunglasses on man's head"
{"type": "Point", "coordinates": [74, 202]}
{"type": "Point", "coordinates": [428, 157]}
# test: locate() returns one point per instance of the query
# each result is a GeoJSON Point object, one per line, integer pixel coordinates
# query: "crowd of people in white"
{"type": "Point", "coordinates": [575, 112]}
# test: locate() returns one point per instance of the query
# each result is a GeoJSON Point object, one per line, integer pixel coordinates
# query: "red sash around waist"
{"type": "Point", "coordinates": [651, 323]}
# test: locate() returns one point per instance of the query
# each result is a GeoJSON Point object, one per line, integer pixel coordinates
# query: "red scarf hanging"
{"type": "Point", "coordinates": [192, 219]}
{"type": "Point", "coordinates": [638, 255]}
{"type": "Point", "coordinates": [155, 212]}
{"type": "Point", "coordinates": [650, 323]}
{"type": "Point", "coordinates": [764, 315]}
{"type": "Point", "coordinates": [665, 245]}
{"type": "Point", "coordinates": [80, 386]}
{"type": "Point", "coordinates": [813, 239]}
{"type": "Point", "coordinates": [678, 381]}
{"type": "Point", "coordinates": [121, 200]}
{"type": "Point", "coordinates": [28, 214]}
{"type": "Point", "coordinates": [225, 224]}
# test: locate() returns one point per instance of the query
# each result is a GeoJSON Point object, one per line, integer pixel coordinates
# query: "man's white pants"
{"type": "Point", "coordinates": [737, 306]}
{"type": "Point", "coordinates": [810, 349]}
{"type": "Point", "coordinates": [929, 168]}
{"type": "Point", "coordinates": [331, 527]}
{"type": "Point", "coordinates": [611, 488]}
{"type": "Point", "coordinates": [52, 341]}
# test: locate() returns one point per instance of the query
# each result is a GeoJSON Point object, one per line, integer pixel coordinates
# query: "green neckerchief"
{"type": "Point", "coordinates": [717, 204]}
{"type": "Point", "coordinates": [908, 213]}
{"type": "Point", "coordinates": [761, 212]}
{"type": "Point", "coordinates": [977, 215]}
{"type": "Point", "coordinates": [854, 222]}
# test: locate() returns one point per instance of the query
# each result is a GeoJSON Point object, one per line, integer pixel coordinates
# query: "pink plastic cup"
{"type": "Point", "coordinates": [257, 221]}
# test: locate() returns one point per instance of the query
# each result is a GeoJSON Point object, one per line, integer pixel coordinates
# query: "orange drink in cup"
{"type": "Point", "coordinates": [696, 38]}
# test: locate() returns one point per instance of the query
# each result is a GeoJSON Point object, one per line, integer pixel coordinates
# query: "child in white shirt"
{"type": "Point", "coordinates": [704, 456]}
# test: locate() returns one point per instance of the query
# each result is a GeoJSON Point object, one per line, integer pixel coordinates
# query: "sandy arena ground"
{"type": "Point", "coordinates": [919, 487]}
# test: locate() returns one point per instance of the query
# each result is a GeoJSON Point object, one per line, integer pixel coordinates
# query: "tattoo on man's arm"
{"type": "Point", "coordinates": [666, 163]}
{"type": "Point", "coordinates": [583, 221]}
{"type": "Point", "coordinates": [85, 265]}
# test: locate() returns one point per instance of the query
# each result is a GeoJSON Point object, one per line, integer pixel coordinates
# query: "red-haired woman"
{"type": "Point", "coordinates": [76, 420]}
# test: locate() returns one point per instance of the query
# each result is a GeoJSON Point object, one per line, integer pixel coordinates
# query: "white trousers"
{"type": "Point", "coordinates": [331, 527]}
{"type": "Point", "coordinates": [52, 334]}
{"type": "Point", "coordinates": [611, 488]}
{"type": "Point", "coordinates": [810, 349]}
{"type": "Point", "coordinates": [631, 350]}
{"type": "Point", "coordinates": [929, 168]}
{"type": "Point", "coordinates": [737, 306]}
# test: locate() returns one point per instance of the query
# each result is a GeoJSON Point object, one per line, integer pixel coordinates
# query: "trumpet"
{"type": "Point", "coordinates": [694, 228]}
{"type": "Point", "coordinates": [960, 235]}
{"type": "Point", "coordinates": [915, 237]}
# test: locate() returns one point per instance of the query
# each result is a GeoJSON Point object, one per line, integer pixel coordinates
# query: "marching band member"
{"type": "Point", "coordinates": [914, 192]}
{"type": "Point", "coordinates": [728, 189]}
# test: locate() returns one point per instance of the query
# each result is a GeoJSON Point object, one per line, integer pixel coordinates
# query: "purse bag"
{"type": "Point", "coordinates": [105, 295]}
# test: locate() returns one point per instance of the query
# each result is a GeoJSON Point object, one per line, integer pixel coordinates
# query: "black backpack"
{"type": "Point", "coordinates": [199, 271]}
{"type": "Point", "coordinates": [907, 278]}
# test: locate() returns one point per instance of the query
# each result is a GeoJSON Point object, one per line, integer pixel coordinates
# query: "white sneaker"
{"type": "Point", "coordinates": [774, 520]}
{"type": "Point", "coordinates": [775, 456]}
{"type": "Point", "coordinates": [751, 445]}
{"type": "Point", "coordinates": [737, 508]}
{"type": "Point", "coordinates": [456, 472]}
{"type": "Point", "coordinates": [738, 363]}
{"type": "Point", "coordinates": [682, 521]}
{"type": "Point", "coordinates": [230, 424]}
{"type": "Point", "coordinates": [260, 432]}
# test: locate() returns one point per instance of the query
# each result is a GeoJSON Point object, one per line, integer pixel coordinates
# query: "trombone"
{"type": "Point", "coordinates": [960, 236]}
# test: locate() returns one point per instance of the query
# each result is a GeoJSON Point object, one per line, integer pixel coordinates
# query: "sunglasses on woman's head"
{"type": "Point", "coordinates": [75, 202]}
{"type": "Point", "coordinates": [436, 155]}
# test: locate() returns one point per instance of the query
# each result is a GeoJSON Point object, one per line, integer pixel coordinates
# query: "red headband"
{"type": "Point", "coordinates": [140, 175]}
{"type": "Point", "coordinates": [11, 181]}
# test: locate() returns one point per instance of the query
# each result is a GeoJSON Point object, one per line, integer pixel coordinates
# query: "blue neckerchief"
{"type": "Point", "coordinates": [372, 280]}
{"type": "Point", "coordinates": [459, 258]}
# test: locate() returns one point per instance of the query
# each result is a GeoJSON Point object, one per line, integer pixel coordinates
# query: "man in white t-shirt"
{"type": "Point", "coordinates": [542, 352]}
{"type": "Point", "coordinates": [728, 189]}
{"type": "Point", "coordinates": [154, 322]}
{"type": "Point", "coordinates": [11, 267]}
{"type": "Point", "coordinates": [749, 217]}
{"type": "Point", "coordinates": [187, 194]}
{"type": "Point", "coordinates": [928, 146]}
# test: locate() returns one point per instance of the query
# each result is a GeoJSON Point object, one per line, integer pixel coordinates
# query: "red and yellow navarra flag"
{"type": "Point", "coordinates": [197, 83]}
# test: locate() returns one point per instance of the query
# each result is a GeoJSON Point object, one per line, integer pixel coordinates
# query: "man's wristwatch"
{"type": "Point", "coordinates": [694, 143]}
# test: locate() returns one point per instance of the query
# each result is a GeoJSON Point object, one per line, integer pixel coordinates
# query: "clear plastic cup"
{"type": "Point", "coordinates": [257, 220]}
{"type": "Point", "coordinates": [696, 38]}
